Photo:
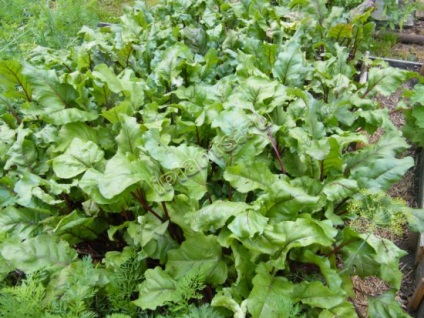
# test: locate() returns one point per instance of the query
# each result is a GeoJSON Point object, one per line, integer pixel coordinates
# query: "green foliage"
{"type": "Point", "coordinates": [382, 306]}
{"type": "Point", "coordinates": [202, 154]}
{"type": "Point", "coordinates": [25, 300]}
{"type": "Point", "coordinates": [52, 23]}
{"type": "Point", "coordinates": [375, 210]}
{"type": "Point", "coordinates": [414, 116]}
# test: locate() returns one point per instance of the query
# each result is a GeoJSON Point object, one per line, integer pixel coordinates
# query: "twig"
{"type": "Point", "coordinates": [139, 196]}
{"type": "Point", "coordinates": [165, 210]}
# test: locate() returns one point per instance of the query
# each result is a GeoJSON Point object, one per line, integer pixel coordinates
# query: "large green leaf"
{"type": "Point", "coordinates": [146, 229]}
{"type": "Point", "coordinates": [69, 132]}
{"type": "Point", "coordinates": [248, 223]}
{"type": "Point", "coordinates": [224, 299]}
{"type": "Point", "coordinates": [214, 216]}
{"type": "Point", "coordinates": [106, 75]}
{"type": "Point", "coordinates": [129, 137]}
{"type": "Point", "coordinates": [158, 289]}
{"type": "Point", "coordinates": [120, 173]}
{"type": "Point", "coordinates": [250, 176]}
{"type": "Point", "coordinates": [332, 277]}
{"type": "Point", "coordinates": [7, 195]}
{"type": "Point", "coordinates": [200, 252]}
{"type": "Point", "coordinates": [385, 305]}
{"type": "Point", "coordinates": [377, 166]}
{"type": "Point", "coordinates": [79, 157]}
{"type": "Point", "coordinates": [66, 116]}
{"type": "Point", "coordinates": [285, 201]}
{"type": "Point", "coordinates": [340, 189]}
{"type": "Point", "coordinates": [414, 118]}
{"type": "Point", "coordinates": [315, 294]}
{"type": "Point", "coordinates": [300, 233]}
{"type": "Point", "coordinates": [75, 227]}
{"type": "Point", "coordinates": [89, 183]}
{"type": "Point", "coordinates": [11, 76]}
{"type": "Point", "coordinates": [49, 92]}
{"type": "Point", "coordinates": [386, 80]}
{"type": "Point", "coordinates": [39, 252]}
{"type": "Point", "coordinates": [171, 64]}
{"type": "Point", "coordinates": [271, 295]}
{"type": "Point", "coordinates": [290, 67]}
{"type": "Point", "coordinates": [187, 165]}
{"type": "Point", "coordinates": [23, 223]}
{"type": "Point", "coordinates": [23, 152]}
{"type": "Point", "coordinates": [363, 255]}
{"type": "Point", "coordinates": [255, 93]}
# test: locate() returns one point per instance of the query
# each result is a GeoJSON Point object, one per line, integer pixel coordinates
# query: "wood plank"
{"type": "Point", "coordinates": [420, 12]}
{"type": "Point", "coordinates": [415, 300]}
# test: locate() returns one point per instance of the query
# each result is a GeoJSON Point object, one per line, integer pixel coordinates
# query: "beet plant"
{"type": "Point", "coordinates": [198, 159]}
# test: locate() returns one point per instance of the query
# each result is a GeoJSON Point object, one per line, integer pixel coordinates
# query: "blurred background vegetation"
{"type": "Point", "coordinates": [24, 24]}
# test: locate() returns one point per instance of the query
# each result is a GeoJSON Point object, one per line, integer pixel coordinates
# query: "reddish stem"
{"type": "Point", "coordinates": [274, 146]}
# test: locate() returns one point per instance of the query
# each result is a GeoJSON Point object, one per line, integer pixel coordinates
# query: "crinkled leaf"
{"type": "Point", "coordinates": [23, 152]}
{"type": "Point", "coordinates": [385, 305]}
{"type": "Point", "coordinates": [105, 74]}
{"type": "Point", "coordinates": [22, 223]}
{"type": "Point", "coordinates": [333, 164]}
{"type": "Point", "coordinates": [270, 296]}
{"type": "Point", "coordinates": [7, 195]}
{"type": "Point", "coordinates": [214, 216]}
{"type": "Point", "coordinates": [300, 233]}
{"type": "Point", "coordinates": [385, 80]}
{"type": "Point", "coordinates": [284, 201]}
{"type": "Point", "coordinates": [416, 220]}
{"type": "Point", "coordinates": [146, 228]}
{"type": "Point", "coordinates": [245, 268]}
{"type": "Point", "coordinates": [66, 116]}
{"type": "Point", "coordinates": [346, 309]}
{"type": "Point", "coordinates": [332, 277]}
{"type": "Point", "coordinates": [170, 66]}
{"type": "Point", "coordinates": [340, 189]}
{"type": "Point", "coordinates": [71, 131]}
{"type": "Point", "coordinates": [315, 294]}
{"type": "Point", "coordinates": [255, 93]}
{"type": "Point", "coordinates": [11, 76]}
{"type": "Point", "coordinates": [250, 176]}
{"type": "Point", "coordinates": [377, 166]}
{"type": "Point", "coordinates": [129, 137]}
{"type": "Point", "coordinates": [224, 299]}
{"type": "Point", "coordinates": [89, 183]}
{"type": "Point", "coordinates": [79, 157]}
{"type": "Point", "coordinates": [158, 289]}
{"type": "Point", "coordinates": [75, 228]}
{"type": "Point", "coordinates": [50, 92]}
{"type": "Point", "coordinates": [362, 256]}
{"type": "Point", "coordinates": [290, 67]}
{"type": "Point", "coordinates": [113, 114]}
{"type": "Point", "coordinates": [202, 252]}
{"type": "Point", "coordinates": [39, 252]}
{"type": "Point", "coordinates": [120, 173]}
{"type": "Point", "coordinates": [248, 223]}
{"type": "Point", "coordinates": [341, 31]}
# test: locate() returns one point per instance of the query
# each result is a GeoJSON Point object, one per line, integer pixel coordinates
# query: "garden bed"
{"type": "Point", "coordinates": [202, 157]}
{"type": "Point", "coordinates": [409, 56]}
{"type": "Point", "coordinates": [405, 189]}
